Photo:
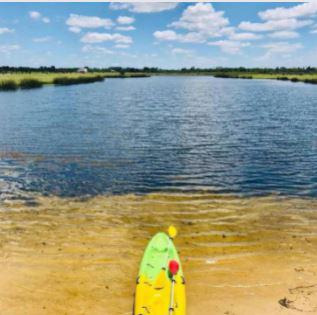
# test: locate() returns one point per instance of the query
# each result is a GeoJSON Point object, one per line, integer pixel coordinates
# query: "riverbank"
{"type": "Point", "coordinates": [14, 81]}
{"type": "Point", "coordinates": [305, 78]}
{"type": "Point", "coordinates": [240, 255]}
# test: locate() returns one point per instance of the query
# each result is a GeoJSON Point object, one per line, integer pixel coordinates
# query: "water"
{"type": "Point", "coordinates": [171, 134]}
{"type": "Point", "coordinates": [153, 152]}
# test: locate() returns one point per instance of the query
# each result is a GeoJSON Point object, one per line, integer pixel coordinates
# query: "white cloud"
{"type": "Point", "coordinates": [165, 35]}
{"type": "Point", "coordinates": [298, 11]}
{"type": "Point", "coordinates": [4, 30]}
{"type": "Point", "coordinates": [314, 29]}
{"type": "Point", "coordinates": [42, 39]}
{"type": "Point", "coordinates": [125, 28]}
{"type": "Point", "coordinates": [121, 46]}
{"type": "Point", "coordinates": [104, 37]}
{"type": "Point", "coordinates": [77, 22]}
{"type": "Point", "coordinates": [74, 29]}
{"type": "Point", "coordinates": [203, 18]}
{"type": "Point", "coordinates": [125, 20]}
{"type": "Point", "coordinates": [281, 47]}
{"type": "Point", "coordinates": [8, 48]}
{"type": "Point", "coordinates": [229, 47]}
{"type": "Point", "coordinates": [201, 21]}
{"type": "Point", "coordinates": [119, 6]}
{"type": "Point", "coordinates": [97, 49]}
{"type": "Point", "coordinates": [274, 25]}
{"type": "Point", "coordinates": [284, 34]}
{"type": "Point", "coordinates": [181, 51]}
{"type": "Point", "coordinates": [169, 35]}
{"type": "Point", "coordinates": [46, 20]}
{"type": "Point", "coordinates": [192, 37]}
{"type": "Point", "coordinates": [144, 7]}
{"type": "Point", "coordinates": [244, 36]}
{"type": "Point", "coordinates": [35, 15]}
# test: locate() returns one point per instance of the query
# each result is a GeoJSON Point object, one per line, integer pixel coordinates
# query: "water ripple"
{"type": "Point", "coordinates": [176, 134]}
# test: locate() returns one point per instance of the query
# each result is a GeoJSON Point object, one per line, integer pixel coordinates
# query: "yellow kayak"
{"type": "Point", "coordinates": [160, 288]}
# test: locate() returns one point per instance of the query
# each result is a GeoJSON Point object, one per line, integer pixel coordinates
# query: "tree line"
{"type": "Point", "coordinates": [53, 69]}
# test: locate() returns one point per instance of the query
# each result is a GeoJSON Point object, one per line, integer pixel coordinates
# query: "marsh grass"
{"type": "Point", "coordinates": [8, 85]}
{"type": "Point", "coordinates": [306, 78]}
{"type": "Point", "coordinates": [232, 76]}
{"type": "Point", "coordinates": [78, 80]}
{"type": "Point", "coordinates": [13, 81]}
{"type": "Point", "coordinates": [30, 83]}
{"type": "Point", "coordinates": [48, 78]}
{"type": "Point", "coordinates": [282, 78]}
{"type": "Point", "coordinates": [311, 81]}
{"type": "Point", "coordinates": [246, 77]}
{"type": "Point", "coordinates": [226, 75]}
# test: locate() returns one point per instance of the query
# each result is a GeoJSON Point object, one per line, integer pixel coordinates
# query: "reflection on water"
{"type": "Point", "coordinates": [161, 134]}
{"type": "Point", "coordinates": [240, 255]}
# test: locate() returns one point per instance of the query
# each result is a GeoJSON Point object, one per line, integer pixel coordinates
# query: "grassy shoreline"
{"type": "Point", "coordinates": [304, 78]}
{"type": "Point", "coordinates": [23, 80]}
{"type": "Point", "coordinates": [14, 81]}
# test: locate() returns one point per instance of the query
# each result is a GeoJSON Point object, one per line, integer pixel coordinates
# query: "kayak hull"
{"type": "Point", "coordinates": [154, 282]}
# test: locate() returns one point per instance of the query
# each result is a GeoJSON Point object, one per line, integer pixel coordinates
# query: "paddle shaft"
{"type": "Point", "coordinates": [171, 308]}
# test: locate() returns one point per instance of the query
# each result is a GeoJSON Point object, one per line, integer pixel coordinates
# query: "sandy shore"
{"type": "Point", "coordinates": [240, 255]}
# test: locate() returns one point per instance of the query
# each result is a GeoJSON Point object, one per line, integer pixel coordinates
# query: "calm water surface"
{"type": "Point", "coordinates": [184, 134]}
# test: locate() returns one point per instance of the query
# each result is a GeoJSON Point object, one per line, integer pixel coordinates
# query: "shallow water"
{"type": "Point", "coordinates": [68, 256]}
{"type": "Point", "coordinates": [161, 134]}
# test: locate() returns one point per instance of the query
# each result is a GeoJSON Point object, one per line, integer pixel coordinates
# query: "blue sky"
{"type": "Point", "coordinates": [167, 35]}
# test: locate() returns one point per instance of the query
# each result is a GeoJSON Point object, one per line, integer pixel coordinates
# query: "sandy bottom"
{"type": "Point", "coordinates": [240, 255]}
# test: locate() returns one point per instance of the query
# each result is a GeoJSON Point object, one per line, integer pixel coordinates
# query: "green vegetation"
{"type": "Point", "coordinates": [30, 84]}
{"type": "Point", "coordinates": [306, 75]}
{"type": "Point", "coordinates": [27, 80]}
{"type": "Point", "coordinates": [48, 78]}
{"type": "Point", "coordinates": [8, 85]}
{"type": "Point", "coordinates": [282, 78]}
{"type": "Point", "coordinates": [233, 76]}
{"type": "Point", "coordinates": [79, 80]}
{"type": "Point", "coordinates": [131, 75]}
{"type": "Point", "coordinates": [286, 75]}
{"type": "Point", "coordinates": [306, 78]}
{"type": "Point", "coordinates": [225, 75]}
{"type": "Point", "coordinates": [311, 81]}
{"type": "Point", "coordinates": [12, 78]}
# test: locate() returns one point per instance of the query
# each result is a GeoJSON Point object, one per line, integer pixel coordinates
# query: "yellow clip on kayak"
{"type": "Point", "coordinates": [160, 288]}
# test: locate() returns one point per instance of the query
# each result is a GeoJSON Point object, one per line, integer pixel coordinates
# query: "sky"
{"type": "Point", "coordinates": [165, 35]}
